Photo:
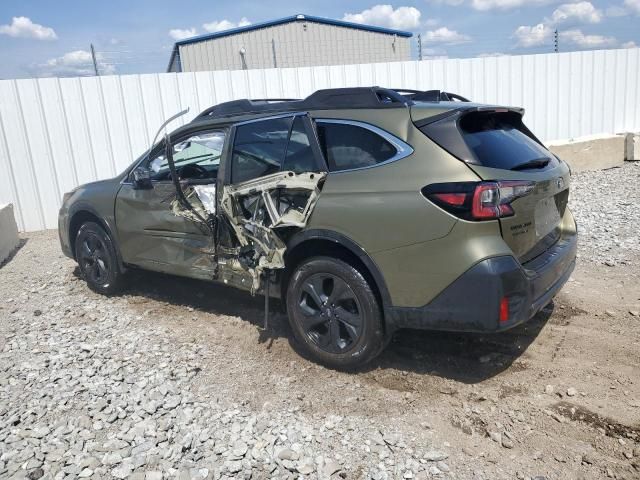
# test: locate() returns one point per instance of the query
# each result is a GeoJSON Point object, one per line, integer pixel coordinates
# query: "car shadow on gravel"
{"type": "Point", "coordinates": [463, 357]}
{"type": "Point", "coordinates": [206, 297]}
{"type": "Point", "coordinates": [467, 358]}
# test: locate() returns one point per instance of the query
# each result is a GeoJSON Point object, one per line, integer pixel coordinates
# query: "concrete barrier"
{"type": "Point", "coordinates": [591, 153]}
{"type": "Point", "coordinates": [633, 147]}
{"type": "Point", "coordinates": [8, 232]}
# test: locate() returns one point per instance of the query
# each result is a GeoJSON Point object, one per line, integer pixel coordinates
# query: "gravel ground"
{"type": "Point", "coordinates": [606, 204]}
{"type": "Point", "coordinates": [174, 380]}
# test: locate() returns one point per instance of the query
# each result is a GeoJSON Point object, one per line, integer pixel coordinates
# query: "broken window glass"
{"type": "Point", "coordinates": [196, 157]}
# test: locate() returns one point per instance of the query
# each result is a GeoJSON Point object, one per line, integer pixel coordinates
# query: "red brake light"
{"type": "Point", "coordinates": [504, 310]}
{"type": "Point", "coordinates": [456, 199]}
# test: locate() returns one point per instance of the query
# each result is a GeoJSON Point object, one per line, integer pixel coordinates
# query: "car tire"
{"type": "Point", "coordinates": [97, 259]}
{"type": "Point", "coordinates": [334, 313]}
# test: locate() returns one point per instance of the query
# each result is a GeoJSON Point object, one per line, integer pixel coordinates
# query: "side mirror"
{"type": "Point", "coordinates": [141, 178]}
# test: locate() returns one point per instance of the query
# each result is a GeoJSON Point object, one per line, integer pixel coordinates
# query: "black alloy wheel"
{"type": "Point", "coordinates": [331, 312]}
{"type": "Point", "coordinates": [334, 313]}
{"type": "Point", "coordinates": [93, 259]}
{"type": "Point", "coordinates": [96, 257]}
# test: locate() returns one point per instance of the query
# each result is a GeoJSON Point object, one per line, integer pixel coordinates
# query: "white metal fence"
{"type": "Point", "coordinates": [58, 133]}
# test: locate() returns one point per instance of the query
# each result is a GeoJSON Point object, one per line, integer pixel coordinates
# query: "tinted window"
{"type": "Point", "coordinates": [259, 149]}
{"type": "Point", "coordinates": [499, 140]}
{"type": "Point", "coordinates": [299, 157]}
{"type": "Point", "coordinates": [349, 146]}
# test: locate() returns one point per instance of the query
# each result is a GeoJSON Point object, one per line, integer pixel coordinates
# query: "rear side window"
{"type": "Point", "coordinates": [347, 146]}
{"type": "Point", "coordinates": [299, 157]}
{"type": "Point", "coordinates": [497, 140]}
{"type": "Point", "coordinates": [259, 148]}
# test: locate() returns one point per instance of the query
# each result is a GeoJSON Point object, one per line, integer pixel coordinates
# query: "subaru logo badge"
{"type": "Point", "coordinates": [560, 183]}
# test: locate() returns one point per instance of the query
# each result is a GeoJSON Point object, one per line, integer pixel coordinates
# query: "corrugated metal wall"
{"type": "Point", "coordinates": [58, 133]}
{"type": "Point", "coordinates": [294, 44]}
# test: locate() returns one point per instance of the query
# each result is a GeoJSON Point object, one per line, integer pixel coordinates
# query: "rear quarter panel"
{"type": "Point", "coordinates": [382, 210]}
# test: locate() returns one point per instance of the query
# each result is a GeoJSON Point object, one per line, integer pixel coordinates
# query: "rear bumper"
{"type": "Point", "coordinates": [472, 302]}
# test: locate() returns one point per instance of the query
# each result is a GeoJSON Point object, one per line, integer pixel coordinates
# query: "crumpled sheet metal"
{"type": "Point", "coordinates": [264, 239]}
{"type": "Point", "coordinates": [193, 197]}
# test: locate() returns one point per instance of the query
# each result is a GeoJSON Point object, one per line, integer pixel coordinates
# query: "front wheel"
{"type": "Point", "coordinates": [334, 313]}
{"type": "Point", "coordinates": [97, 259]}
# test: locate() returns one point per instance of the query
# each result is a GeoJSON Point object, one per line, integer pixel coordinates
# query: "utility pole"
{"type": "Point", "coordinates": [419, 47]}
{"type": "Point", "coordinates": [273, 51]}
{"type": "Point", "coordinates": [556, 48]}
{"type": "Point", "coordinates": [95, 64]}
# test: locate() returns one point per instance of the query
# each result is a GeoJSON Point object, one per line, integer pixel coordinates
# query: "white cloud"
{"type": "Point", "coordinates": [484, 5]}
{"type": "Point", "coordinates": [534, 36]}
{"type": "Point", "coordinates": [403, 18]}
{"type": "Point", "coordinates": [580, 12]}
{"type": "Point", "coordinates": [576, 37]}
{"type": "Point", "coordinates": [630, 44]}
{"type": "Point", "coordinates": [181, 34]}
{"type": "Point", "coordinates": [73, 64]}
{"type": "Point", "coordinates": [211, 27]}
{"type": "Point", "coordinates": [445, 36]}
{"type": "Point", "coordinates": [633, 5]}
{"type": "Point", "coordinates": [23, 27]}
{"type": "Point", "coordinates": [218, 26]}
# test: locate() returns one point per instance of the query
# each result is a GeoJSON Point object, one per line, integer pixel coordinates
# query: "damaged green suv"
{"type": "Point", "coordinates": [365, 210]}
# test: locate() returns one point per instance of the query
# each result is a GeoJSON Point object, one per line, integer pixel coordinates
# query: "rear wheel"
{"type": "Point", "coordinates": [97, 259]}
{"type": "Point", "coordinates": [334, 313]}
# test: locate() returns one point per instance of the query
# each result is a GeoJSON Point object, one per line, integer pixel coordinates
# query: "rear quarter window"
{"type": "Point", "coordinates": [347, 146]}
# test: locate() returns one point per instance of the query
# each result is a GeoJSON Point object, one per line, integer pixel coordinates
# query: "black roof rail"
{"type": "Point", "coordinates": [431, 95]}
{"type": "Point", "coordinates": [327, 99]}
{"type": "Point", "coordinates": [243, 104]}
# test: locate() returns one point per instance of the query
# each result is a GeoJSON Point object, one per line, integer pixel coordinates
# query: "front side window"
{"type": "Point", "coordinates": [196, 157]}
{"type": "Point", "coordinates": [347, 146]}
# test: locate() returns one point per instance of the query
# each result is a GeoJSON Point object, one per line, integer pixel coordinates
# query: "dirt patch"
{"type": "Point", "coordinates": [606, 425]}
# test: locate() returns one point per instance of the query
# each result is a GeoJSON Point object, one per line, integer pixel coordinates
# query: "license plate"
{"type": "Point", "coordinates": [547, 217]}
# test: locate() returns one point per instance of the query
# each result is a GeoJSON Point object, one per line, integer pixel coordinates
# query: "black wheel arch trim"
{"type": "Point", "coordinates": [104, 223]}
{"type": "Point", "coordinates": [354, 248]}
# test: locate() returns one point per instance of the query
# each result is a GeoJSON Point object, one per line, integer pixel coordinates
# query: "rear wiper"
{"type": "Point", "coordinates": [537, 163]}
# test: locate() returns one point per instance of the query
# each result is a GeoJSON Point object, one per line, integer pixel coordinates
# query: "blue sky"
{"type": "Point", "coordinates": [44, 38]}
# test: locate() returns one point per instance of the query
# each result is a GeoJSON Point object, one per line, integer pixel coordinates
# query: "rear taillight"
{"type": "Point", "coordinates": [478, 200]}
{"type": "Point", "coordinates": [504, 310]}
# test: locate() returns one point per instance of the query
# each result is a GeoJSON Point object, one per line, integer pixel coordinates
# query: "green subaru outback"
{"type": "Point", "coordinates": [365, 210]}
